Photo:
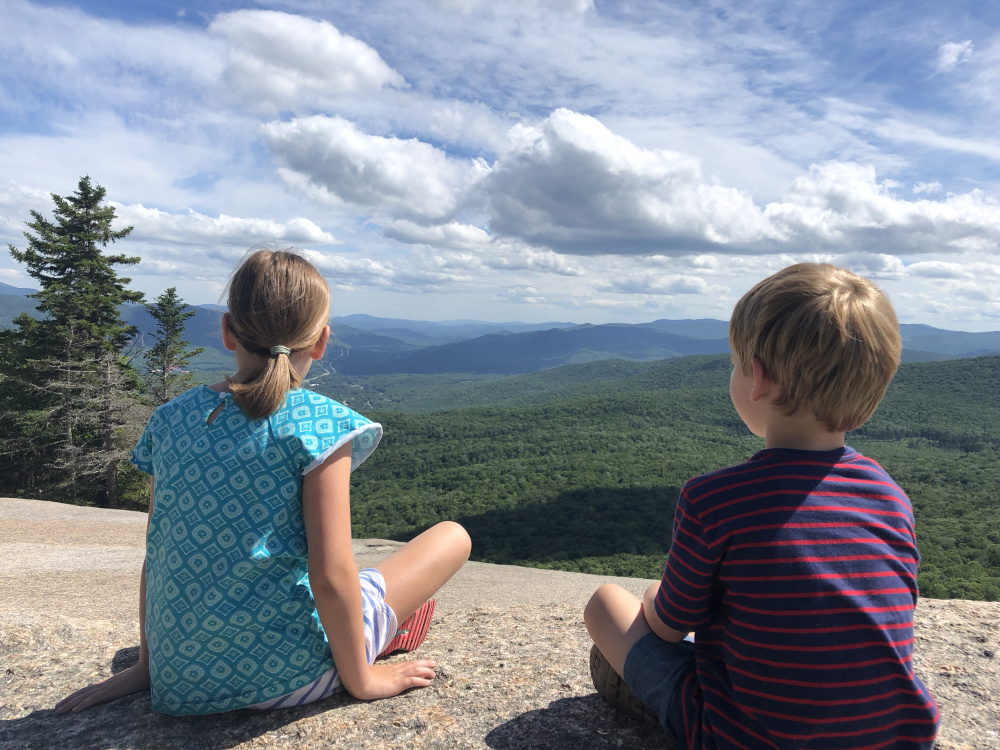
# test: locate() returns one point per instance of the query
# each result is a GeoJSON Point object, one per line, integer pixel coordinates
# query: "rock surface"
{"type": "Point", "coordinates": [510, 645]}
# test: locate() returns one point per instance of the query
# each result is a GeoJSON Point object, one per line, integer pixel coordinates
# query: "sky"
{"type": "Point", "coordinates": [537, 160]}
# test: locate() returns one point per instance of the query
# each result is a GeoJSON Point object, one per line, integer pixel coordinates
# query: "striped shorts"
{"type": "Point", "coordinates": [380, 628]}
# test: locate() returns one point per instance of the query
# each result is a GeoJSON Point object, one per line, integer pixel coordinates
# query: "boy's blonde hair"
{"type": "Point", "coordinates": [276, 298]}
{"type": "Point", "coordinates": [828, 338]}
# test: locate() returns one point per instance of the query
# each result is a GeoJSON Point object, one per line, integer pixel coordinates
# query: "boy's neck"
{"type": "Point", "coordinates": [800, 432]}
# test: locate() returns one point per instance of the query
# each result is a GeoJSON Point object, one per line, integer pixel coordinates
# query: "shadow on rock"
{"type": "Point", "coordinates": [130, 723]}
{"type": "Point", "coordinates": [574, 723]}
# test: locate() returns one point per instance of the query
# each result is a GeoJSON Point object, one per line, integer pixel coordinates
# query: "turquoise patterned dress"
{"type": "Point", "coordinates": [230, 618]}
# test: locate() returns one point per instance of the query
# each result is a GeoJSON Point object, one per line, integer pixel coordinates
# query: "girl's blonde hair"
{"type": "Point", "coordinates": [827, 337]}
{"type": "Point", "coordinates": [276, 298]}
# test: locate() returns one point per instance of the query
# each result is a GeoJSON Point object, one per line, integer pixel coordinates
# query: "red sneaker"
{"type": "Point", "coordinates": [412, 631]}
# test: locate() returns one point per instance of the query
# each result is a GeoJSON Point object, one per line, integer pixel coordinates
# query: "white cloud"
{"type": "Point", "coordinates": [452, 234]}
{"type": "Point", "coordinates": [879, 265]}
{"type": "Point", "coordinates": [281, 61]}
{"type": "Point", "coordinates": [90, 60]}
{"type": "Point", "coordinates": [526, 295]}
{"type": "Point", "coordinates": [938, 269]}
{"type": "Point", "coordinates": [953, 54]}
{"type": "Point", "coordinates": [481, 250]}
{"type": "Point", "coordinates": [465, 6]}
{"type": "Point", "coordinates": [573, 185]}
{"type": "Point", "coordinates": [160, 227]}
{"type": "Point", "coordinates": [343, 271]}
{"type": "Point", "coordinates": [968, 290]}
{"type": "Point", "coordinates": [927, 133]}
{"type": "Point", "coordinates": [333, 161]}
{"type": "Point", "coordinates": [843, 205]}
{"type": "Point", "coordinates": [509, 256]}
{"type": "Point", "coordinates": [927, 187]}
{"type": "Point", "coordinates": [651, 282]}
{"type": "Point", "coordinates": [16, 203]}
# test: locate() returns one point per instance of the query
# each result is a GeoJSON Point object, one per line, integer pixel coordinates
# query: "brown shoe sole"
{"type": "Point", "coordinates": [613, 690]}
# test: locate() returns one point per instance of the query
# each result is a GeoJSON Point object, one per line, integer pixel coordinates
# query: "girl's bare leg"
{"type": "Point", "coordinates": [615, 622]}
{"type": "Point", "coordinates": [418, 569]}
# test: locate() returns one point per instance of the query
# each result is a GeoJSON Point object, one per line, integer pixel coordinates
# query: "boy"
{"type": "Point", "coordinates": [797, 569]}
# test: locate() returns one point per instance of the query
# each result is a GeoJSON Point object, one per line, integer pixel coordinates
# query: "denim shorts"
{"type": "Point", "coordinates": [655, 671]}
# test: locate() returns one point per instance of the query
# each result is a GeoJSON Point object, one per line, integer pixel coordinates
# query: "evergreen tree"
{"type": "Point", "coordinates": [169, 355]}
{"type": "Point", "coordinates": [68, 377]}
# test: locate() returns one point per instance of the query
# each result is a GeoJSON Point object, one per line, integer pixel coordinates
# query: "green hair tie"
{"type": "Point", "coordinates": [280, 350]}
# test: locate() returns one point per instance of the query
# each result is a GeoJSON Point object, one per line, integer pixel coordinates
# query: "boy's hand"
{"type": "Point", "coordinates": [131, 680]}
{"type": "Point", "coordinates": [387, 680]}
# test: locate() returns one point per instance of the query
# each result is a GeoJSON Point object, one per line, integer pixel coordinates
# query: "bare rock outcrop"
{"type": "Point", "coordinates": [510, 645]}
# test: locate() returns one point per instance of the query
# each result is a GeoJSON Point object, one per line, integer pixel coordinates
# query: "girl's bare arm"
{"type": "Point", "coordinates": [336, 588]}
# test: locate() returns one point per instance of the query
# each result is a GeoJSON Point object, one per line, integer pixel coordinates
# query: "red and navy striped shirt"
{"type": "Point", "coordinates": [797, 572]}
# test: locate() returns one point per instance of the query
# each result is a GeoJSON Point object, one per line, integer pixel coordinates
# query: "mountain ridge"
{"type": "Point", "coordinates": [365, 344]}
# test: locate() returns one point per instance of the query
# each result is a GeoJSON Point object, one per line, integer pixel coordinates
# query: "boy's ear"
{"type": "Point", "coordinates": [762, 383]}
{"type": "Point", "coordinates": [228, 340]}
{"type": "Point", "coordinates": [320, 346]}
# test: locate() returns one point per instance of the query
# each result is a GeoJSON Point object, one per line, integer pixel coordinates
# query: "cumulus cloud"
{"type": "Point", "coordinates": [283, 61]}
{"type": "Point", "coordinates": [515, 257]}
{"type": "Point", "coordinates": [16, 203]}
{"type": "Point", "coordinates": [572, 184]}
{"type": "Point", "coordinates": [927, 187]}
{"type": "Point", "coordinates": [938, 269]}
{"type": "Point", "coordinates": [480, 249]}
{"type": "Point", "coordinates": [352, 272]}
{"type": "Point", "coordinates": [335, 162]}
{"type": "Point", "coordinates": [153, 225]}
{"type": "Point", "coordinates": [651, 282]}
{"type": "Point", "coordinates": [573, 6]}
{"type": "Point", "coordinates": [527, 295]}
{"type": "Point", "coordinates": [452, 234]}
{"type": "Point", "coordinates": [569, 185]}
{"type": "Point", "coordinates": [952, 54]}
{"type": "Point", "coordinates": [876, 264]}
{"type": "Point", "coordinates": [843, 204]}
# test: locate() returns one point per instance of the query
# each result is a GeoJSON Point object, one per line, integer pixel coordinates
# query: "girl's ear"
{"type": "Point", "coordinates": [762, 383]}
{"type": "Point", "coordinates": [228, 340]}
{"type": "Point", "coordinates": [320, 346]}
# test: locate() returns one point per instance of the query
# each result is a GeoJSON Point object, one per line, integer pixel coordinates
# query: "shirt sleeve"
{"type": "Point", "coordinates": [685, 600]}
{"type": "Point", "coordinates": [322, 426]}
{"type": "Point", "coordinates": [142, 454]}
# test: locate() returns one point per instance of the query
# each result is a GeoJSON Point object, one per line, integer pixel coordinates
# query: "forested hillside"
{"type": "Point", "coordinates": [589, 483]}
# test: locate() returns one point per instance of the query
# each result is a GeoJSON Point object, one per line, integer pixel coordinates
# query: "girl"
{"type": "Point", "coordinates": [249, 595]}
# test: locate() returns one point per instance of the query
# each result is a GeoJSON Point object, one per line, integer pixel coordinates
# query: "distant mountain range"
{"type": "Point", "coordinates": [368, 345]}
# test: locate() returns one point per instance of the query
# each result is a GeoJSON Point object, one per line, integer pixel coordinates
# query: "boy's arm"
{"type": "Point", "coordinates": [685, 599]}
{"type": "Point", "coordinates": [657, 625]}
{"type": "Point", "coordinates": [333, 577]}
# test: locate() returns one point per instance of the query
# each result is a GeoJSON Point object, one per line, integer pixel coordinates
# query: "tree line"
{"type": "Point", "coordinates": [78, 383]}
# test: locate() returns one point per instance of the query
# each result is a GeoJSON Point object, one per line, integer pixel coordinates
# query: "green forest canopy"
{"type": "Point", "coordinates": [589, 483]}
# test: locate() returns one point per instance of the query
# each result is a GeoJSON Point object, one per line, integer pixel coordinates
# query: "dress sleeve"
{"type": "Point", "coordinates": [142, 454]}
{"type": "Point", "coordinates": [685, 600]}
{"type": "Point", "coordinates": [322, 426]}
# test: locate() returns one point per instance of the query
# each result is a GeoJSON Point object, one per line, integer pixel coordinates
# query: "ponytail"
{"type": "Point", "coordinates": [278, 305]}
{"type": "Point", "coordinates": [265, 391]}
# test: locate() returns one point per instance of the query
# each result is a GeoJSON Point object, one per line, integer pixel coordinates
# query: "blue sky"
{"type": "Point", "coordinates": [570, 160]}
